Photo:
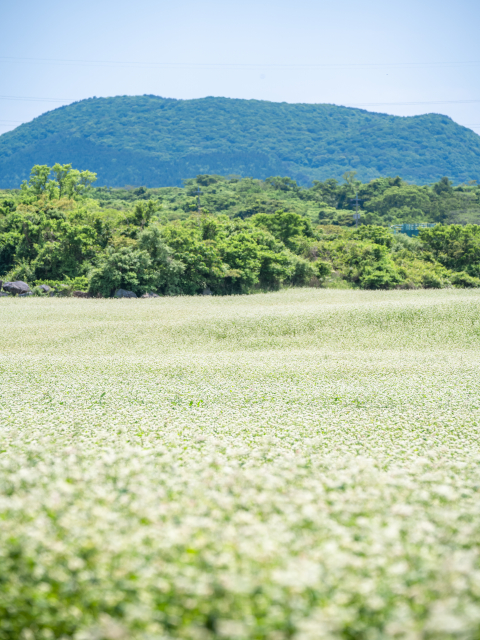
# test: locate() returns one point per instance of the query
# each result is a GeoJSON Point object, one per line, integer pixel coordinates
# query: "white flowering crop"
{"type": "Point", "coordinates": [302, 464]}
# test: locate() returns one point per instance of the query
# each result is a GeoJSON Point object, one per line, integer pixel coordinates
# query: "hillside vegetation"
{"type": "Point", "coordinates": [297, 465]}
{"type": "Point", "coordinates": [247, 235]}
{"type": "Point", "coordinates": [153, 141]}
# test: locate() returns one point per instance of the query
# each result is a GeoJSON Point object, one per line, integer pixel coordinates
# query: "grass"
{"type": "Point", "coordinates": [302, 464]}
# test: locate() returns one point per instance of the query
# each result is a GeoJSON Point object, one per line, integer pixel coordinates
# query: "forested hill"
{"type": "Point", "coordinates": [153, 141]}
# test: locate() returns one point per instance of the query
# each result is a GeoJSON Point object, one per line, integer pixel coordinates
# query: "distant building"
{"type": "Point", "coordinates": [412, 229]}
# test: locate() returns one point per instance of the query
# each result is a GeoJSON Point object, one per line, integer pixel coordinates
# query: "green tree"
{"type": "Point", "coordinates": [143, 212]}
{"type": "Point", "coordinates": [455, 246]}
{"type": "Point", "coordinates": [286, 226]}
{"type": "Point", "coordinates": [282, 184]}
{"type": "Point", "coordinates": [378, 235]}
{"type": "Point", "coordinates": [443, 186]}
{"type": "Point", "coordinates": [407, 202]}
{"type": "Point", "coordinates": [72, 183]}
{"type": "Point", "coordinates": [352, 182]}
{"type": "Point", "coordinates": [66, 183]}
{"type": "Point", "coordinates": [203, 265]}
{"type": "Point", "coordinates": [38, 181]}
{"type": "Point", "coordinates": [166, 271]}
{"type": "Point", "coordinates": [255, 257]}
{"type": "Point", "coordinates": [125, 268]}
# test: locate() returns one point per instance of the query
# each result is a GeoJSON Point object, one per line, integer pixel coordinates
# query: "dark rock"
{"type": "Point", "coordinates": [81, 294]}
{"type": "Point", "coordinates": [23, 295]}
{"type": "Point", "coordinates": [45, 288]}
{"type": "Point", "coordinates": [207, 292]}
{"type": "Point", "coordinates": [4, 294]}
{"type": "Point", "coordinates": [16, 288]}
{"type": "Point", "coordinates": [123, 293]}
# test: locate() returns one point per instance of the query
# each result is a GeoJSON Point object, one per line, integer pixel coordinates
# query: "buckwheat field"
{"type": "Point", "coordinates": [302, 464]}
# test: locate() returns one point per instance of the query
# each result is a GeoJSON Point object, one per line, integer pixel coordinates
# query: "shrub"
{"type": "Point", "coordinates": [463, 279]}
{"type": "Point", "coordinates": [303, 271]}
{"type": "Point", "coordinates": [380, 277]}
{"type": "Point", "coordinates": [127, 268]}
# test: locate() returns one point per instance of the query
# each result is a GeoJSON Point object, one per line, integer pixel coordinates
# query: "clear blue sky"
{"type": "Point", "coordinates": [335, 51]}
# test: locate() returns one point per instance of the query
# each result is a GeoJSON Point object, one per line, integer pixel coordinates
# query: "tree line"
{"type": "Point", "coordinates": [236, 236]}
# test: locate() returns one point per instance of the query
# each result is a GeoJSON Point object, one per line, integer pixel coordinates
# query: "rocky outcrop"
{"type": "Point", "coordinates": [16, 288]}
{"type": "Point", "coordinates": [123, 293]}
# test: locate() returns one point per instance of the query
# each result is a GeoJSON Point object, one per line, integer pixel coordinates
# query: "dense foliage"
{"type": "Point", "coordinates": [148, 140]}
{"type": "Point", "coordinates": [382, 201]}
{"type": "Point", "coordinates": [235, 236]}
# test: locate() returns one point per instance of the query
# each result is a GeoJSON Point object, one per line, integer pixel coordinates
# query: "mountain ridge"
{"type": "Point", "coordinates": [153, 141]}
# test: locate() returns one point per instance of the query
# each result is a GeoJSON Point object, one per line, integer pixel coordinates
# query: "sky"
{"type": "Point", "coordinates": [403, 58]}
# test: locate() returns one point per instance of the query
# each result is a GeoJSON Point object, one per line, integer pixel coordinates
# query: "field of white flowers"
{"type": "Point", "coordinates": [302, 464]}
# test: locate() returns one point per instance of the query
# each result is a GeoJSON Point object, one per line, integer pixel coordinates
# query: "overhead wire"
{"type": "Point", "coordinates": [26, 98]}
{"type": "Point", "coordinates": [240, 65]}
{"type": "Point", "coordinates": [349, 104]}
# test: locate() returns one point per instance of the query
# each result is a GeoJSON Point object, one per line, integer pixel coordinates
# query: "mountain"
{"type": "Point", "coordinates": [152, 141]}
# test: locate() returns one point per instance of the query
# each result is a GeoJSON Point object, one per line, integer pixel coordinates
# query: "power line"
{"type": "Point", "coordinates": [37, 99]}
{"type": "Point", "coordinates": [381, 104]}
{"type": "Point", "coordinates": [239, 65]}
{"type": "Point", "coordinates": [350, 104]}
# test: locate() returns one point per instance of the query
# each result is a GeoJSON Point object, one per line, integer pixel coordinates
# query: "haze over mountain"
{"type": "Point", "coordinates": [153, 141]}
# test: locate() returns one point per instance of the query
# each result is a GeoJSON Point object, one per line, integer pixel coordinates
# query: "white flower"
{"type": "Point", "coordinates": [187, 471]}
